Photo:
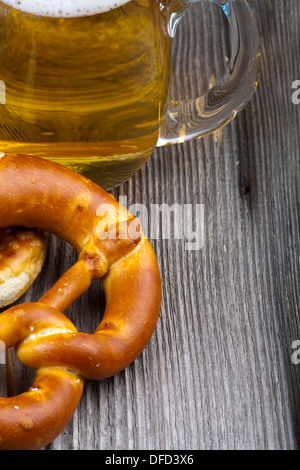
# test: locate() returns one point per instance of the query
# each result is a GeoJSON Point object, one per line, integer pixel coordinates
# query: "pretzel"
{"type": "Point", "coordinates": [37, 193]}
{"type": "Point", "coordinates": [22, 255]}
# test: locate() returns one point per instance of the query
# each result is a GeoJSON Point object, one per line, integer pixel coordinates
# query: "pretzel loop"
{"type": "Point", "coordinates": [55, 199]}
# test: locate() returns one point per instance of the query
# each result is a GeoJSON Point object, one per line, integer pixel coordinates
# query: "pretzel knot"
{"type": "Point", "coordinates": [111, 246]}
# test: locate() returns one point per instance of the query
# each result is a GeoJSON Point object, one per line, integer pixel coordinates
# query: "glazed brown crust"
{"type": "Point", "coordinates": [33, 419]}
{"type": "Point", "coordinates": [55, 199]}
{"type": "Point", "coordinates": [14, 246]}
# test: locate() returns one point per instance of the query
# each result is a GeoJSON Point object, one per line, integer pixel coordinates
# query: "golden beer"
{"type": "Point", "coordinates": [86, 91]}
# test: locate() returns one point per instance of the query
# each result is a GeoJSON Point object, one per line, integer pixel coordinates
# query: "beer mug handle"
{"type": "Point", "coordinates": [193, 118]}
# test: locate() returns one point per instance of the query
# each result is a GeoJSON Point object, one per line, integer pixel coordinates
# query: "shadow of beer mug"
{"type": "Point", "coordinates": [87, 83]}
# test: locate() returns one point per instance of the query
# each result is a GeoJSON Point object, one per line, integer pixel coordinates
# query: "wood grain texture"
{"type": "Point", "coordinates": [217, 373]}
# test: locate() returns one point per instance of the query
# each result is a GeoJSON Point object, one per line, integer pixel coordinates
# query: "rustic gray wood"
{"type": "Point", "coordinates": [217, 373]}
{"type": "Point", "coordinates": [3, 388]}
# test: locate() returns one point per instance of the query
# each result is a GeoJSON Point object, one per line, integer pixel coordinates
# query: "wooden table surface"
{"type": "Point", "coordinates": [217, 373]}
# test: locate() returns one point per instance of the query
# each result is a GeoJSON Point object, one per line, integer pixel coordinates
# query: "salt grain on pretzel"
{"type": "Point", "coordinates": [57, 200]}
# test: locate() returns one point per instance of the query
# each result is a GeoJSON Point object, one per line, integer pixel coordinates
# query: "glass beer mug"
{"type": "Point", "coordinates": [86, 83]}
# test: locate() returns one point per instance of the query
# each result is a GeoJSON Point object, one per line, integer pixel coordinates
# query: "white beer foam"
{"type": "Point", "coordinates": [64, 8]}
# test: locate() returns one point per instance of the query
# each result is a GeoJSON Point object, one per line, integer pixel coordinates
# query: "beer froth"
{"type": "Point", "coordinates": [65, 8]}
